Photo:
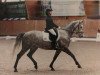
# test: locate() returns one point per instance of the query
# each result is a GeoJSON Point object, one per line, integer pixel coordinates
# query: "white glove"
{"type": "Point", "coordinates": [59, 27]}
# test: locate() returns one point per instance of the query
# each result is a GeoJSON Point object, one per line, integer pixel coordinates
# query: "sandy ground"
{"type": "Point", "coordinates": [87, 53]}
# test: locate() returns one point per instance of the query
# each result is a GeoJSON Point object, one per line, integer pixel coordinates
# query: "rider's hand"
{"type": "Point", "coordinates": [59, 27]}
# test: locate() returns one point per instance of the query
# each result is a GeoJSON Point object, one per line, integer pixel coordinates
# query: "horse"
{"type": "Point", "coordinates": [32, 40]}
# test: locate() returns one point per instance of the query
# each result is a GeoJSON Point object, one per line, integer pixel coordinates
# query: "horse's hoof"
{"type": "Point", "coordinates": [15, 71]}
{"type": "Point", "coordinates": [36, 67]}
{"type": "Point", "coordinates": [79, 66]}
{"type": "Point", "coordinates": [52, 69]}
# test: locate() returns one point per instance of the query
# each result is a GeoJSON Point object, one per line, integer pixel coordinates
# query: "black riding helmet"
{"type": "Point", "coordinates": [48, 10]}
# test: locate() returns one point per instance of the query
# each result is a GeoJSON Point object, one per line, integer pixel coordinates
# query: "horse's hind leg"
{"type": "Point", "coordinates": [20, 54]}
{"type": "Point", "coordinates": [66, 50]}
{"type": "Point", "coordinates": [31, 52]}
{"type": "Point", "coordinates": [54, 58]}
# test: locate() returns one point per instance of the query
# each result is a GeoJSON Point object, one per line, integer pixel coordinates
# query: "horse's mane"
{"type": "Point", "coordinates": [67, 26]}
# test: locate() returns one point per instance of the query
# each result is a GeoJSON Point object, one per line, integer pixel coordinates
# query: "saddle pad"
{"type": "Point", "coordinates": [46, 36]}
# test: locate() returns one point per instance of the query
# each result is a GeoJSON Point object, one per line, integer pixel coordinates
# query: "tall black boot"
{"type": "Point", "coordinates": [55, 45]}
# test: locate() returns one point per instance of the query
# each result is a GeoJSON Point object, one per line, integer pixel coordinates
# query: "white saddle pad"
{"type": "Point", "coordinates": [46, 36]}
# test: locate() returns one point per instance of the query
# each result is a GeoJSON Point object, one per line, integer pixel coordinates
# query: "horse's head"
{"type": "Point", "coordinates": [75, 27]}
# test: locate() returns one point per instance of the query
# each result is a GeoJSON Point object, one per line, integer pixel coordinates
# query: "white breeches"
{"type": "Point", "coordinates": [52, 32]}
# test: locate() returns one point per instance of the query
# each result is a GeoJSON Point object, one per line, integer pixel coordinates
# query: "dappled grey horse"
{"type": "Point", "coordinates": [33, 40]}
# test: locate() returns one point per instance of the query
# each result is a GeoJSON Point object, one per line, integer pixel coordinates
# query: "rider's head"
{"type": "Point", "coordinates": [48, 12]}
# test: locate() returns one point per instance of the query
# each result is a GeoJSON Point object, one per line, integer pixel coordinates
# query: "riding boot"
{"type": "Point", "coordinates": [53, 38]}
{"type": "Point", "coordinates": [55, 45]}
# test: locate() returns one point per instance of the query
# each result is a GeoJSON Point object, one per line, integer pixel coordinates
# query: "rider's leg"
{"type": "Point", "coordinates": [53, 38]}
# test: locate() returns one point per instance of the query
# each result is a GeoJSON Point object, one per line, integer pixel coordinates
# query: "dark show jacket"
{"type": "Point", "coordinates": [49, 23]}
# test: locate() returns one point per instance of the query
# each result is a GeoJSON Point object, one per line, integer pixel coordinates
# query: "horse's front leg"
{"type": "Point", "coordinates": [54, 58]}
{"type": "Point", "coordinates": [66, 50]}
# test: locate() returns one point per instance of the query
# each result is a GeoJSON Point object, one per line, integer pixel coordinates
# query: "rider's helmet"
{"type": "Point", "coordinates": [48, 11]}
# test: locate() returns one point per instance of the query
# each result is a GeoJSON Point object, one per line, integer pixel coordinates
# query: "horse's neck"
{"type": "Point", "coordinates": [69, 33]}
{"type": "Point", "coordinates": [63, 33]}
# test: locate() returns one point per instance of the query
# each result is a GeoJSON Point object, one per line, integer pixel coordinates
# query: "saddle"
{"type": "Point", "coordinates": [47, 36]}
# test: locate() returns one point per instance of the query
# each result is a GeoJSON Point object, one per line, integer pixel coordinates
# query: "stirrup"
{"type": "Point", "coordinates": [56, 46]}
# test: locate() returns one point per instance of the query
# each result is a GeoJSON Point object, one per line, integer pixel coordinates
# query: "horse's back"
{"type": "Point", "coordinates": [33, 34]}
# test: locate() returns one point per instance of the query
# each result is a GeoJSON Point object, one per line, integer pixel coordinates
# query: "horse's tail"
{"type": "Point", "coordinates": [18, 41]}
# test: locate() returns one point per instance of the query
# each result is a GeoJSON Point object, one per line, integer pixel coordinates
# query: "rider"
{"type": "Point", "coordinates": [51, 28]}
